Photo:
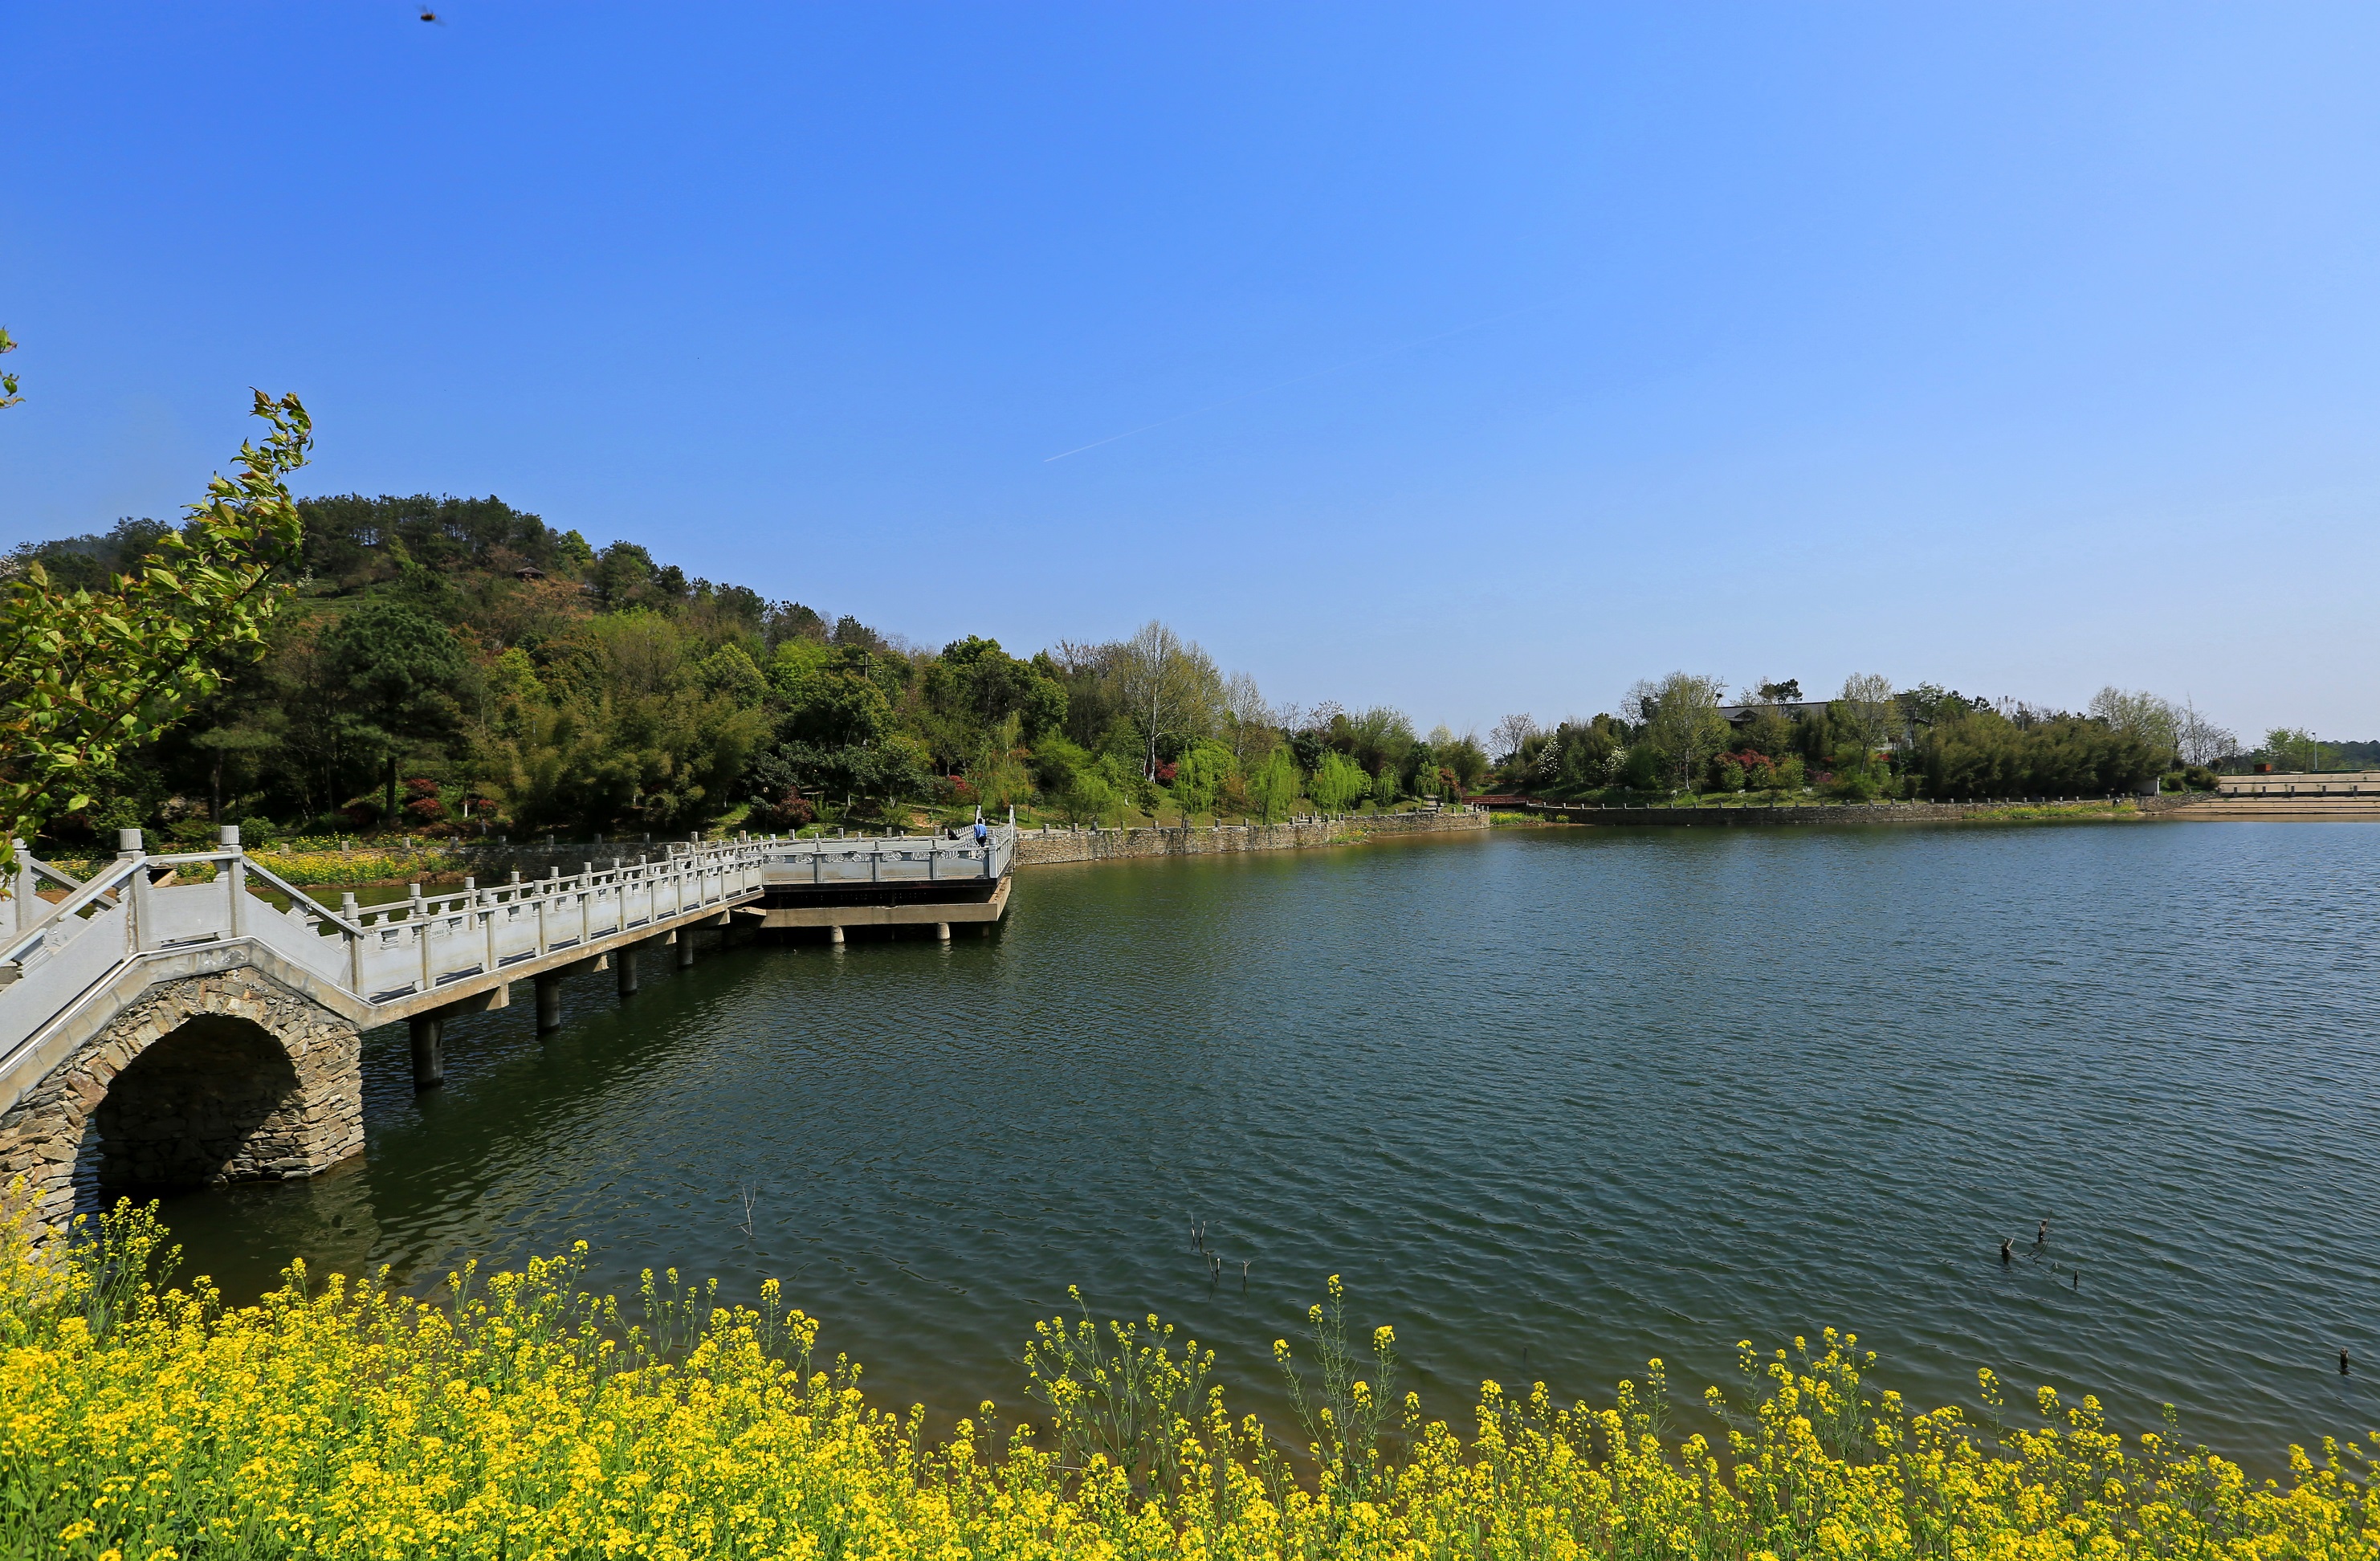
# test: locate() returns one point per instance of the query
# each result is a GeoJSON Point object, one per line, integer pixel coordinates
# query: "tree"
{"type": "Point", "coordinates": [86, 676]}
{"type": "Point", "coordinates": [1273, 786]}
{"type": "Point", "coordinates": [1466, 759]}
{"type": "Point", "coordinates": [2138, 714]}
{"type": "Point", "coordinates": [1418, 776]}
{"type": "Point", "coordinates": [1380, 739]}
{"type": "Point", "coordinates": [1255, 724]}
{"type": "Point", "coordinates": [1866, 713]}
{"type": "Point", "coordinates": [975, 691]}
{"type": "Point", "coordinates": [1199, 775]}
{"type": "Point", "coordinates": [1168, 687]}
{"type": "Point", "coordinates": [2201, 742]}
{"type": "Point", "coordinates": [2290, 748]}
{"type": "Point", "coordinates": [1339, 782]}
{"type": "Point", "coordinates": [1765, 731]}
{"type": "Point", "coordinates": [1511, 734]}
{"type": "Point", "coordinates": [1982, 753]}
{"type": "Point", "coordinates": [1681, 723]}
{"type": "Point", "coordinates": [231, 746]}
{"type": "Point", "coordinates": [838, 704]}
{"type": "Point", "coordinates": [400, 670]}
{"type": "Point", "coordinates": [1578, 755]}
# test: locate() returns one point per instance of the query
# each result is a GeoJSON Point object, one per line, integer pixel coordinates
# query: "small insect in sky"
{"type": "Point", "coordinates": [432, 15]}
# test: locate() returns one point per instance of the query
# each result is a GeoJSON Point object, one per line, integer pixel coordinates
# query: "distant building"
{"type": "Point", "coordinates": [528, 571]}
{"type": "Point", "coordinates": [2336, 783]}
{"type": "Point", "coordinates": [1737, 715]}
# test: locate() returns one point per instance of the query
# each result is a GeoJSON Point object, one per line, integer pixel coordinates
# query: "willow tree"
{"type": "Point", "coordinates": [86, 676]}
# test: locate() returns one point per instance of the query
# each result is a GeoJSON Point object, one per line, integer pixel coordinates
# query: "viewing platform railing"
{"type": "Point", "coordinates": [834, 861]}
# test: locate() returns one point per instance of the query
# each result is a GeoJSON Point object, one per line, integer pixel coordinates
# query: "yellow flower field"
{"type": "Point", "coordinates": [527, 1419]}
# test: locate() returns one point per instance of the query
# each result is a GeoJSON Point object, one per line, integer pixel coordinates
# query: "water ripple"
{"type": "Point", "coordinates": [1593, 1095]}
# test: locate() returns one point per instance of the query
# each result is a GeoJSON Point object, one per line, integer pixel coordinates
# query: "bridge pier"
{"type": "Point", "coordinates": [427, 1033]}
{"type": "Point", "coordinates": [685, 948]}
{"type": "Point", "coordinates": [549, 1001]}
{"type": "Point", "coordinates": [625, 962]}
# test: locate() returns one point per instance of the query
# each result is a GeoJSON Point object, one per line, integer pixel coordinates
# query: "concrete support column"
{"type": "Point", "coordinates": [685, 948]}
{"type": "Point", "coordinates": [549, 1002]}
{"type": "Point", "coordinates": [625, 962]}
{"type": "Point", "coordinates": [428, 1034]}
{"type": "Point", "coordinates": [835, 934]}
{"type": "Point", "coordinates": [942, 931]}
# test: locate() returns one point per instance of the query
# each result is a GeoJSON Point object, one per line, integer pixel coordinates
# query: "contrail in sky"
{"type": "Point", "coordinates": [1300, 378]}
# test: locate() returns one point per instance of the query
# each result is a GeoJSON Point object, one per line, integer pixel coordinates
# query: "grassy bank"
{"type": "Point", "coordinates": [2049, 813]}
{"type": "Point", "coordinates": [527, 1419]}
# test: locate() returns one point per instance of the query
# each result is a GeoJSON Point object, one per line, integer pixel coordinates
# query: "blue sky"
{"type": "Point", "coordinates": [1472, 358]}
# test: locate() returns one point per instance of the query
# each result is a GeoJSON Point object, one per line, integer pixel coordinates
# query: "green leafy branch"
{"type": "Point", "coordinates": [86, 677]}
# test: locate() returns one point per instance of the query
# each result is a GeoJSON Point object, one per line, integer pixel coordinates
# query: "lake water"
{"type": "Point", "coordinates": [1552, 1101]}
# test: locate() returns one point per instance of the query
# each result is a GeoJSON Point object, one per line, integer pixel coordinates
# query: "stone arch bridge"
{"type": "Point", "coordinates": [159, 1032]}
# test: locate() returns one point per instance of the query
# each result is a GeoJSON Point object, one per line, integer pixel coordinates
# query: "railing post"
{"type": "Point", "coordinates": [129, 848]}
{"type": "Point", "coordinates": [25, 890]}
{"type": "Point", "coordinates": [353, 913]}
{"type": "Point", "coordinates": [419, 918]}
{"type": "Point", "coordinates": [236, 879]}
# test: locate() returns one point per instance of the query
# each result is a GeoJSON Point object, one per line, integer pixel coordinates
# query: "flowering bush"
{"type": "Point", "coordinates": [526, 1418]}
{"type": "Point", "coordinates": [788, 813]}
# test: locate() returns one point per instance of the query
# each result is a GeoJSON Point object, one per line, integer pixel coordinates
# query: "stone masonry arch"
{"type": "Point", "coordinates": [222, 1077]}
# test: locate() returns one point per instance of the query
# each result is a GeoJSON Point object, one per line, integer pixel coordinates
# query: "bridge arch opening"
{"type": "Point", "coordinates": [215, 1099]}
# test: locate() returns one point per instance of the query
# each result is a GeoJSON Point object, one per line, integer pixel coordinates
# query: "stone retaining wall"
{"type": "Point", "coordinates": [2266, 809]}
{"type": "Point", "coordinates": [1821, 813]}
{"type": "Point", "coordinates": [1035, 846]}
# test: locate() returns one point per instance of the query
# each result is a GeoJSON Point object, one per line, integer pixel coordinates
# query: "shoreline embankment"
{"type": "Point", "coordinates": [2005, 809]}
{"type": "Point", "coordinates": [1048, 846]}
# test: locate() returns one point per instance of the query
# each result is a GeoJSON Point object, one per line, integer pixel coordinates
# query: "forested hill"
{"type": "Point", "coordinates": [459, 663]}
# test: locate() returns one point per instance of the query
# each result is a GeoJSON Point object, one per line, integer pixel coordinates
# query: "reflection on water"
{"type": "Point", "coordinates": [1589, 1095]}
